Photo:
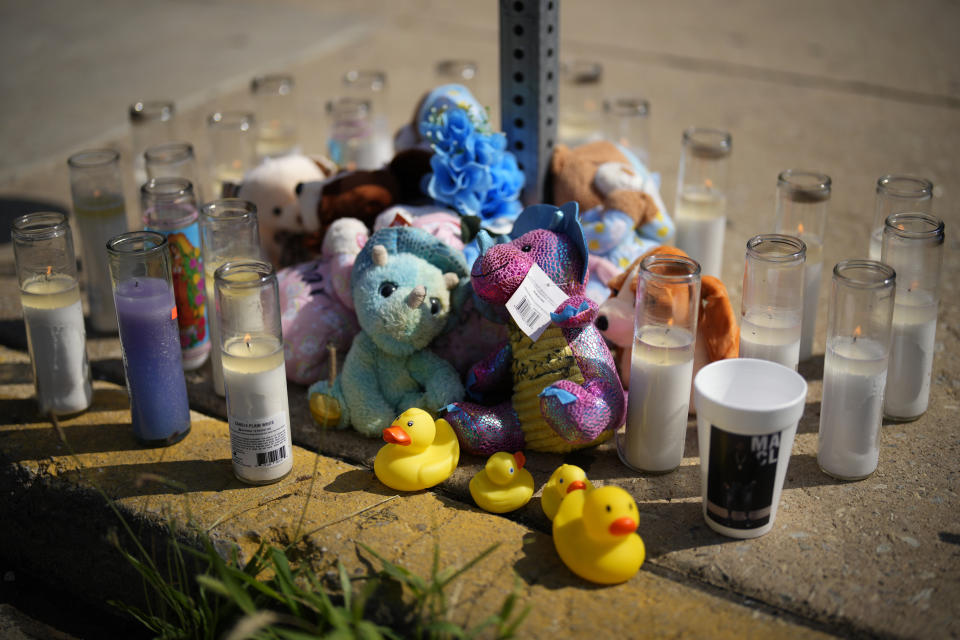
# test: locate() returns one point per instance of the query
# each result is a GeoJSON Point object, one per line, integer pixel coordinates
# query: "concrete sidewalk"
{"type": "Point", "coordinates": [818, 88]}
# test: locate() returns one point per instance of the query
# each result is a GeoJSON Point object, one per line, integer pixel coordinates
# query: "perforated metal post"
{"type": "Point", "coordinates": [528, 86]}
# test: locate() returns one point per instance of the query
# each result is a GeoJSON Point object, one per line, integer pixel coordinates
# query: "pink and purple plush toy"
{"type": "Point", "coordinates": [560, 392]}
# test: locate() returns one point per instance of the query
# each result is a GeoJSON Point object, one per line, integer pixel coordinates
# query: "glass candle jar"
{"type": "Point", "coordinates": [628, 124]}
{"type": "Point", "coordinates": [233, 151]}
{"type": "Point", "coordinates": [100, 214]}
{"type": "Point", "coordinates": [173, 160]}
{"type": "Point", "coordinates": [913, 245]}
{"type": "Point", "coordinates": [771, 310]}
{"type": "Point", "coordinates": [147, 318]}
{"type": "Point", "coordinates": [276, 113]}
{"type": "Point", "coordinates": [803, 198]}
{"type": "Point", "coordinates": [580, 99]}
{"type": "Point", "coordinates": [661, 371]}
{"type": "Point", "coordinates": [351, 143]}
{"type": "Point", "coordinates": [170, 208]}
{"type": "Point", "coordinates": [254, 374]}
{"type": "Point", "coordinates": [700, 211]}
{"type": "Point", "coordinates": [228, 231]}
{"type": "Point", "coordinates": [897, 194]}
{"type": "Point", "coordinates": [855, 368]}
{"type": "Point", "coordinates": [151, 123]}
{"type": "Point", "coordinates": [52, 313]}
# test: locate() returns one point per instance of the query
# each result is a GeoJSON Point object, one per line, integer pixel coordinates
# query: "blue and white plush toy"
{"type": "Point", "coordinates": [405, 285]}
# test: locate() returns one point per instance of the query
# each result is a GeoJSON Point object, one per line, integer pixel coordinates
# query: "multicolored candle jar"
{"type": "Point", "coordinates": [147, 318]}
{"type": "Point", "coordinates": [170, 208]}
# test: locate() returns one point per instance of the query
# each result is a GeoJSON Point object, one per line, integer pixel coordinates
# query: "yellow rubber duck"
{"type": "Point", "coordinates": [421, 453]}
{"type": "Point", "coordinates": [503, 484]}
{"type": "Point", "coordinates": [563, 480]}
{"type": "Point", "coordinates": [594, 533]}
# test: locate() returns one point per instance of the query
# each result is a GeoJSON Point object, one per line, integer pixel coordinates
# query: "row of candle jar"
{"type": "Point", "coordinates": [880, 342]}
{"type": "Point", "coordinates": [142, 264]}
{"type": "Point", "coordinates": [801, 210]}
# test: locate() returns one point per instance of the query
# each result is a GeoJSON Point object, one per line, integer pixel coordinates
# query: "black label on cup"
{"type": "Point", "coordinates": [741, 474]}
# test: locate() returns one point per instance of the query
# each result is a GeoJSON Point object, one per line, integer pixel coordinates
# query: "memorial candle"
{"type": "Point", "coordinates": [100, 214]}
{"type": "Point", "coordinates": [149, 338]}
{"type": "Point", "coordinates": [771, 309]}
{"type": "Point", "coordinates": [855, 368]}
{"type": "Point", "coordinates": [276, 113]}
{"type": "Point", "coordinates": [897, 194]}
{"type": "Point", "coordinates": [668, 299]}
{"type": "Point", "coordinates": [170, 208]}
{"type": "Point", "coordinates": [913, 245]}
{"type": "Point", "coordinates": [50, 297]}
{"type": "Point", "coordinates": [803, 198]}
{"type": "Point", "coordinates": [228, 231]}
{"type": "Point", "coordinates": [151, 124]}
{"type": "Point", "coordinates": [233, 151]}
{"type": "Point", "coordinates": [701, 205]}
{"type": "Point", "coordinates": [254, 375]}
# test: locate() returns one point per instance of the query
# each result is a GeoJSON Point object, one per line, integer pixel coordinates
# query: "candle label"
{"type": "Point", "coordinates": [188, 285]}
{"type": "Point", "coordinates": [259, 443]}
{"type": "Point", "coordinates": [534, 300]}
{"type": "Point", "coordinates": [741, 474]}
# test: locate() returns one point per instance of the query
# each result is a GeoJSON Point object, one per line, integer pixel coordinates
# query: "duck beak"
{"type": "Point", "coordinates": [520, 458]}
{"type": "Point", "coordinates": [623, 526]}
{"type": "Point", "coordinates": [576, 485]}
{"type": "Point", "coordinates": [396, 435]}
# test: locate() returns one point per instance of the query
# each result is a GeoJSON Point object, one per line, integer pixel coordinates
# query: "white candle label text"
{"type": "Point", "coordinates": [259, 443]}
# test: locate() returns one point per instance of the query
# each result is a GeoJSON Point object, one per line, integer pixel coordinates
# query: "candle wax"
{"type": "Point", "coordinates": [911, 355]}
{"type": "Point", "coordinates": [768, 336]}
{"type": "Point", "coordinates": [701, 221]}
{"type": "Point", "coordinates": [854, 375]}
{"type": "Point", "coordinates": [258, 410]}
{"type": "Point", "coordinates": [812, 271]}
{"type": "Point", "coordinates": [98, 220]}
{"type": "Point", "coordinates": [876, 244]}
{"type": "Point", "coordinates": [56, 340]}
{"type": "Point", "coordinates": [151, 356]}
{"type": "Point", "coordinates": [660, 378]}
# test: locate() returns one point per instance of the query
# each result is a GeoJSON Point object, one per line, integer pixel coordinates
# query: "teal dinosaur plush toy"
{"type": "Point", "coordinates": [406, 285]}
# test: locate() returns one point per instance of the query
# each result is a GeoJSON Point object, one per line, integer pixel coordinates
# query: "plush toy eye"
{"type": "Point", "coordinates": [387, 289]}
{"type": "Point", "coordinates": [602, 323]}
{"type": "Point", "coordinates": [277, 211]}
{"type": "Point", "coordinates": [526, 247]}
{"type": "Point", "coordinates": [435, 306]}
{"type": "Point", "coordinates": [608, 508]}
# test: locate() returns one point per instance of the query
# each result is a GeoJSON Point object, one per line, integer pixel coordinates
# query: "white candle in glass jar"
{"type": "Point", "coordinates": [876, 243]}
{"type": "Point", "coordinates": [854, 375]}
{"type": "Point", "coordinates": [766, 335]}
{"type": "Point", "coordinates": [56, 339]}
{"type": "Point", "coordinates": [258, 411]}
{"type": "Point", "coordinates": [660, 377]}
{"type": "Point", "coordinates": [911, 355]}
{"type": "Point", "coordinates": [98, 220]}
{"type": "Point", "coordinates": [812, 271]}
{"type": "Point", "coordinates": [216, 366]}
{"type": "Point", "coordinates": [701, 221]}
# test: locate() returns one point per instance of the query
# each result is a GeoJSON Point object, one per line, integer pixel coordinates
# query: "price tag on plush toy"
{"type": "Point", "coordinates": [534, 300]}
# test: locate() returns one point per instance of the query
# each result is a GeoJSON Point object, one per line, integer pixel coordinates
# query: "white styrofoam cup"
{"type": "Point", "coordinates": [747, 415]}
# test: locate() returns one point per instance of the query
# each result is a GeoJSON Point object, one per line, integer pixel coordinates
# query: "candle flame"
{"type": "Point", "coordinates": [913, 285]}
{"type": "Point", "coordinates": [246, 340]}
{"type": "Point", "coordinates": [96, 193]}
{"type": "Point", "coordinates": [670, 322]}
{"type": "Point", "coordinates": [49, 270]}
{"type": "Point", "coordinates": [856, 332]}
{"type": "Point", "coordinates": [901, 227]}
{"type": "Point", "coordinates": [800, 228]}
{"type": "Point", "coordinates": [708, 183]}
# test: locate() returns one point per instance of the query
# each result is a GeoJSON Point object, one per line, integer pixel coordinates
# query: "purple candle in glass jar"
{"type": "Point", "coordinates": [149, 336]}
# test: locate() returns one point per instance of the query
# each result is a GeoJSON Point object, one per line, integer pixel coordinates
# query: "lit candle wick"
{"type": "Point", "coordinates": [800, 228]}
{"type": "Point", "coordinates": [49, 271]}
{"type": "Point", "coordinates": [856, 333]}
{"type": "Point", "coordinates": [246, 341]}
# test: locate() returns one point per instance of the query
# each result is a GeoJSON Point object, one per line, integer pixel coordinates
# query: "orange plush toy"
{"type": "Point", "coordinates": [718, 336]}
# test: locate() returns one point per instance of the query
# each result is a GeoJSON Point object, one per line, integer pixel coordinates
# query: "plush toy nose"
{"type": "Point", "coordinates": [417, 296]}
{"type": "Point", "coordinates": [484, 241]}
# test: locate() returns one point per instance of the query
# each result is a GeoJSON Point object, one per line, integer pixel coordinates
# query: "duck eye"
{"type": "Point", "coordinates": [435, 306]}
{"type": "Point", "coordinates": [561, 480]}
{"type": "Point", "coordinates": [387, 289]}
{"type": "Point", "coordinates": [608, 508]}
{"type": "Point", "coordinates": [526, 248]}
{"type": "Point", "coordinates": [410, 424]}
{"type": "Point", "coordinates": [511, 469]}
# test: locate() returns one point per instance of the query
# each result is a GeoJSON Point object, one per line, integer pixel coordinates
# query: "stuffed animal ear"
{"type": "Point", "coordinates": [379, 255]}
{"type": "Point", "coordinates": [451, 279]}
{"type": "Point", "coordinates": [570, 226]}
